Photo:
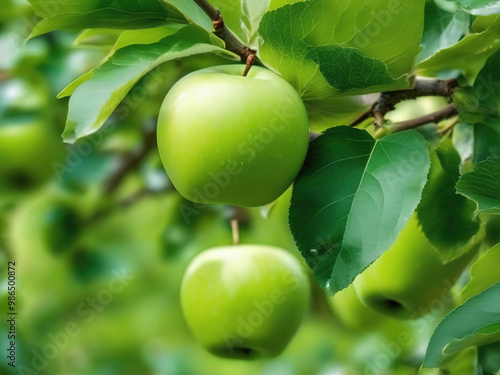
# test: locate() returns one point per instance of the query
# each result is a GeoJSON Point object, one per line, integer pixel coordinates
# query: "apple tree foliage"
{"type": "Point", "coordinates": [357, 188]}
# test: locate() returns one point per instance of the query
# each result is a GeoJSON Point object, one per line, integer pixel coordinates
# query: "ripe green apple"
{"type": "Point", "coordinates": [351, 312]}
{"type": "Point", "coordinates": [27, 151]}
{"type": "Point", "coordinates": [28, 142]}
{"type": "Point", "coordinates": [244, 301]}
{"type": "Point", "coordinates": [225, 138]}
{"type": "Point", "coordinates": [409, 279]}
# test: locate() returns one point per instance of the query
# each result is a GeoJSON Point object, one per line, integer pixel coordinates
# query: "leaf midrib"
{"type": "Point", "coordinates": [352, 204]}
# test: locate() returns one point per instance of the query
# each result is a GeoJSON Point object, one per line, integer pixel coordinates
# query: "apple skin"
{"type": "Point", "coordinates": [245, 301]}
{"type": "Point", "coordinates": [28, 141]}
{"type": "Point", "coordinates": [406, 280]}
{"type": "Point", "coordinates": [351, 312]}
{"type": "Point", "coordinates": [27, 150]}
{"type": "Point", "coordinates": [224, 138]}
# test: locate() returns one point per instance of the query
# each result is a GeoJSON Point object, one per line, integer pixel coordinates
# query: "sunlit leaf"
{"type": "Point", "coordinates": [358, 46]}
{"type": "Point", "coordinates": [352, 197]}
{"type": "Point", "coordinates": [79, 15]}
{"type": "Point", "coordinates": [467, 56]}
{"type": "Point", "coordinates": [442, 29]}
{"type": "Point", "coordinates": [481, 7]}
{"type": "Point", "coordinates": [475, 323]}
{"type": "Point", "coordinates": [484, 273]}
{"type": "Point", "coordinates": [243, 17]}
{"type": "Point", "coordinates": [96, 98]}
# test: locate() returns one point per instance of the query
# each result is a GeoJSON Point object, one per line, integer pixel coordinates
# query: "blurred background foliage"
{"type": "Point", "coordinates": [75, 218]}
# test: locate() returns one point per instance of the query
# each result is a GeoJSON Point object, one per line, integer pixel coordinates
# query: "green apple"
{"type": "Point", "coordinates": [409, 279]}
{"type": "Point", "coordinates": [28, 142]}
{"type": "Point", "coordinates": [351, 312]}
{"type": "Point", "coordinates": [27, 151]}
{"type": "Point", "coordinates": [244, 301]}
{"type": "Point", "coordinates": [225, 138]}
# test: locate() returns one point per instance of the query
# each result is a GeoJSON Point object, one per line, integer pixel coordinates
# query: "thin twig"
{"type": "Point", "coordinates": [435, 117]}
{"type": "Point", "coordinates": [131, 199]}
{"type": "Point", "coordinates": [127, 202]}
{"type": "Point", "coordinates": [448, 127]}
{"type": "Point", "coordinates": [388, 100]}
{"type": "Point", "coordinates": [131, 162]}
{"type": "Point", "coordinates": [363, 116]}
{"type": "Point", "coordinates": [232, 42]}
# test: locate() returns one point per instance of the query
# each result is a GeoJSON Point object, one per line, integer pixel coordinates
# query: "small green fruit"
{"type": "Point", "coordinates": [409, 279]}
{"type": "Point", "coordinates": [244, 301]}
{"type": "Point", "coordinates": [351, 312]}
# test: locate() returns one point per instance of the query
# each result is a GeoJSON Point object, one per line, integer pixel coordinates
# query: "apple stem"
{"type": "Point", "coordinates": [236, 231]}
{"type": "Point", "coordinates": [250, 61]}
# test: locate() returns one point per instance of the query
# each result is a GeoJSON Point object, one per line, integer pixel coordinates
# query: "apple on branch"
{"type": "Point", "coordinates": [244, 301]}
{"type": "Point", "coordinates": [232, 139]}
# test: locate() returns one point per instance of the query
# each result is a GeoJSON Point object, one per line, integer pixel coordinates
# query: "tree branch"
{"type": "Point", "coordinates": [387, 100]}
{"type": "Point", "coordinates": [435, 117]}
{"type": "Point", "coordinates": [232, 42]}
{"type": "Point", "coordinates": [132, 162]}
{"type": "Point", "coordinates": [448, 127]}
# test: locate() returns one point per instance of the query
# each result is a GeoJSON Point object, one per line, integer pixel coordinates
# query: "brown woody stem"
{"type": "Point", "coordinates": [220, 29]}
{"type": "Point", "coordinates": [132, 162]}
{"type": "Point", "coordinates": [387, 100]}
{"type": "Point", "coordinates": [250, 61]}
{"type": "Point", "coordinates": [435, 117]}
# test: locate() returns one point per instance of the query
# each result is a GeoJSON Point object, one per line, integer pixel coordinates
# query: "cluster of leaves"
{"type": "Point", "coordinates": [355, 192]}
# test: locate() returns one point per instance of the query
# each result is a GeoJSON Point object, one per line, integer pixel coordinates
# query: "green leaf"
{"type": "Point", "coordinates": [352, 197]}
{"type": "Point", "coordinates": [243, 17]}
{"type": "Point", "coordinates": [486, 140]}
{"type": "Point", "coordinates": [325, 47]}
{"type": "Point", "coordinates": [125, 39]}
{"type": "Point", "coordinates": [481, 7]}
{"type": "Point", "coordinates": [96, 98]}
{"type": "Point", "coordinates": [463, 362]}
{"type": "Point", "coordinates": [89, 14]}
{"type": "Point", "coordinates": [467, 56]}
{"type": "Point", "coordinates": [478, 142]}
{"type": "Point", "coordinates": [489, 358]}
{"type": "Point", "coordinates": [484, 273]}
{"type": "Point", "coordinates": [482, 100]}
{"type": "Point", "coordinates": [333, 111]}
{"type": "Point", "coordinates": [475, 323]}
{"type": "Point", "coordinates": [442, 29]}
{"type": "Point", "coordinates": [97, 38]}
{"type": "Point", "coordinates": [145, 36]}
{"type": "Point", "coordinates": [447, 218]}
{"type": "Point", "coordinates": [192, 11]}
{"type": "Point", "coordinates": [483, 185]}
